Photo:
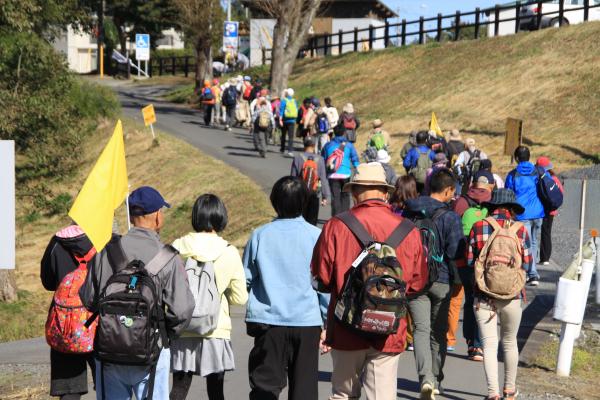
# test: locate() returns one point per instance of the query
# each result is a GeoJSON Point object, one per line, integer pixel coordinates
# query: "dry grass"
{"type": "Point", "coordinates": [549, 79]}
{"type": "Point", "coordinates": [177, 170]}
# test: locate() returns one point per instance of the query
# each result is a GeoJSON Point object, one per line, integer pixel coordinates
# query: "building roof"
{"type": "Point", "coordinates": [345, 9]}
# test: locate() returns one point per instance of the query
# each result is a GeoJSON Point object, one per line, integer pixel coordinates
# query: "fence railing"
{"type": "Point", "coordinates": [176, 65]}
{"type": "Point", "coordinates": [452, 27]}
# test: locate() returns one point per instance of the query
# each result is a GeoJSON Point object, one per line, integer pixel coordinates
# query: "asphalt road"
{"type": "Point", "coordinates": [465, 380]}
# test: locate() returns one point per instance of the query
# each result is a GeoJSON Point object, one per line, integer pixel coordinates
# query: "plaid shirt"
{"type": "Point", "coordinates": [482, 231]}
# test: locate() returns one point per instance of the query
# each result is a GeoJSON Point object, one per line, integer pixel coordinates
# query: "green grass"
{"type": "Point", "coordinates": [24, 318]}
{"type": "Point", "coordinates": [585, 363]}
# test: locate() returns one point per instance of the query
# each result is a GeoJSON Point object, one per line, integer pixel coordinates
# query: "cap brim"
{"type": "Point", "coordinates": [348, 186]}
{"type": "Point", "coordinates": [167, 205]}
{"type": "Point", "coordinates": [515, 206]}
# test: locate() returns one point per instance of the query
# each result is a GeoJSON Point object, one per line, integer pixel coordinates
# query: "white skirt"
{"type": "Point", "coordinates": [202, 356]}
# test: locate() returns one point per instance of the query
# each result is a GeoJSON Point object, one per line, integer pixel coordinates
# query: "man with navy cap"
{"type": "Point", "coordinates": [142, 243]}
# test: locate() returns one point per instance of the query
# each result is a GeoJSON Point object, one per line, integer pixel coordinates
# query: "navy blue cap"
{"type": "Point", "coordinates": [146, 200]}
{"type": "Point", "coordinates": [483, 176]}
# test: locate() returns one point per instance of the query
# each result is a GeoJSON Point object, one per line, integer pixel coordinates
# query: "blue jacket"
{"type": "Point", "coordinates": [410, 161]}
{"type": "Point", "coordinates": [350, 156]}
{"type": "Point", "coordinates": [278, 275]}
{"type": "Point", "coordinates": [449, 225]}
{"type": "Point", "coordinates": [525, 187]}
{"type": "Point", "coordinates": [282, 110]}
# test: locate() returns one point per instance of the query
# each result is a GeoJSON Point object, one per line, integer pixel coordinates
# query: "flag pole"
{"type": "Point", "coordinates": [127, 210]}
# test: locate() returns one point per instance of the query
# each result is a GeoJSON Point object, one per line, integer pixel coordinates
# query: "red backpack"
{"type": "Point", "coordinates": [310, 174]}
{"type": "Point", "coordinates": [335, 159]}
{"type": "Point", "coordinates": [65, 326]}
{"type": "Point", "coordinates": [247, 91]}
{"type": "Point", "coordinates": [349, 122]}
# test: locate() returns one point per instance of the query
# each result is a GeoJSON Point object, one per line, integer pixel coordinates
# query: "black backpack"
{"type": "Point", "coordinates": [431, 238]}
{"type": "Point", "coordinates": [230, 96]}
{"type": "Point", "coordinates": [131, 328]}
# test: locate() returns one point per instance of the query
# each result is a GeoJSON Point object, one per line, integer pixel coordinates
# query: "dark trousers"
{"type": "Point", "coordinates": [287, 132]}
{"type": "Point", "coordinates": [208, 110]}
{"type": "Point", "coordinates": [183, 380]}
{"type": "Point", "coordinates": [261, 138]}
{"type": "Point", "coordinates": [470, 327]}
{"type": "Point", "coordinates": [546, 240]}
{"type": "Point", "coordinates": [229, 116]}
{"type": "Point", "coordinates": [280, 354]}
{"type": "Point", "coordinates": [311, 210]}
{"type": "Point", "coordinates": [68, 373]}
{"type": "Point", "coordinates": [340, 201]}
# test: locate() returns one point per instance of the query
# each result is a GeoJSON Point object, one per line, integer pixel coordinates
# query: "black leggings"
{"type": "Point", "coordinates": [183, 380]}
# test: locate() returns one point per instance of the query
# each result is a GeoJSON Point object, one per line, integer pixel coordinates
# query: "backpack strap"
{"type": "Point", "coordinates": [400, 233]}
{"type": "Point", "coordinates": [161, 259]}
{"type": "Point", "coordinates": [356, 228]}
{"type": "Point", "coordinates": [492, 221]}
{"type": "Point", "coordinates": [515, 226]}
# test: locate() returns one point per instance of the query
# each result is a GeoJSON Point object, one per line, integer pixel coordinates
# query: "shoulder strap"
{"type": "Point", "coordinates": [161, 259]}
{"type": "Point", "coordinates": [400, 233]}
{"type": "Point", "coordinates": [492, 221]}
{"type": "Point", "coordinates": [438, 213]}
{"type": "Point", "coordinates": [356, 228]}
{"type": "Point", "coordinates": [515, 226]}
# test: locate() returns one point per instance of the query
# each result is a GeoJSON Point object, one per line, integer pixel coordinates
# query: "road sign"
{"type": "Point", "coordinates": [149, 115]}
{"type": "Point", "coordinates": [142, 46]}
{"type": "Point", "coordinates": [514, 135]}
{"type": "Point", "coordinates": [230, 35]}
{"type": "Point", "coordinates": [7, 199]}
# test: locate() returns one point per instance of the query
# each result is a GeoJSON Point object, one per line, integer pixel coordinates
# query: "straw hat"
{"type": "Point", "coordinates": [377, 123]}
{"type": "Point", "coordinates": [371, 174]}
{"type": "Point", "coordinates": [348, 108]}
{"type": "Point", "coordinates": [455, 135]}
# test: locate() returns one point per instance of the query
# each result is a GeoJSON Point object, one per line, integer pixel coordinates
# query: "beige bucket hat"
{"type": "Point", "coordinates": [371, 174]}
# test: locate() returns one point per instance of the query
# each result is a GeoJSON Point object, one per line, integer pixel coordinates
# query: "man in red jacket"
{"type": "Point", "coordinates": [358, 361]}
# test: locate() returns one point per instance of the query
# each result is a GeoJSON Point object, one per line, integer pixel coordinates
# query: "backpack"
{"type": "Point", "coordinates": [436, 144]}
{"type": "Point", "coordinates": [230, 96]}
{"type": "Point", "coordinates": [201, 277]}
{"type": "Point", "coordinates": [66, 329]}
{"type": "Point", "coordinates": [419, 171]}
{"type": "Point", "coordinates": [207, 95]}
{"type": "Point", "coordinates": [247, 91]}
{"type": "Point", "coordinates": [335, 159]}
{"type": "Point", "coordinates": [474, 164]}
{"type": "Point", "coordinates": [431, 238]}
{"type": "Point", "coordinates": [549, 191]}
{"type": "Point", "coordinates": [476, 212]}
{"type": "Point", "coordinates": [323, 124]}
{"type": "Point", "coordinates": [291, 109]}
{"type": "Point", "coordinates": [349, 124]}
{"type": "Point", "coordinates": [309, 173]}
{"type": "Point", "coordinates": [498, 271]}
{"type": "Point", "coordinates": [377, 141]}
{"type": "Point", "coordinates": [373, 298]}
{"type": "Point", "coordinates": [264, 120]}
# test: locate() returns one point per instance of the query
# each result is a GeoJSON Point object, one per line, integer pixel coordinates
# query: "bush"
{"type": "Point", "coordinates": [158, 53]}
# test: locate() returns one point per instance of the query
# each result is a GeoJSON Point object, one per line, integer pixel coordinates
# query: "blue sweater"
{"type": "Point", "coordinates": [410, 161]}
{"type": "Point", "coordinates": [350, 157]}
{"type": "Point", "coordinates": [525, 187]}
{"type": "Point", "coordinates": [277, 265]}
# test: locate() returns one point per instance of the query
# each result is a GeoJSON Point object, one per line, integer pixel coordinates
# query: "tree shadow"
{"type": "Point", "coordinates": [593, 158]}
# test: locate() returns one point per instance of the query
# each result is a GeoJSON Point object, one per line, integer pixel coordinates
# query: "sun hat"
{"type": "Point", "coordinates": [383, 156]}
{"type": "Point", "coordinates": [233, 81]}
{"type": "Point", "coordinates": [470, 142]}
{"type": "Point", "coordinates": [377, 123]}
{"type": "Point", "coordinates": [455, 135]}
{"type": "Point", "coordinates": [483, 177]}
{"type": "Point", "coordinates": [440, 158]}
{"type": "Point", "coordinates": [348, 108]}
{"type": "Point", "coordinates": [545, 163]}
{"type": "Point", "coordinates": [247, 78]}
{"type": "Point", "coordinates": [370, 174]}
{"type": "Point", "coordinates": [290, 92]}
{"type": "Point", "coordinates": [504, 198]}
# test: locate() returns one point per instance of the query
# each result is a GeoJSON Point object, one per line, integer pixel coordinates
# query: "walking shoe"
{"type": "Point", "coordinates": [427, 391]}
{"type": "Point", "coordinates": [510, 394]}
{"type": "Point", "coordinates": [476, 354]}
{"type": "Point", "coordinates": [410, 347]}
{"type": "Point", "coordinates": [450, 348]}
{"type": "Point", "coordinates": [533, 281]}
{"type": "Point", "coordinates": [545, 262]}
{"type": "Point", "coordinates": [290, 154]}
{"type": "Point", "coordinates": [439, 390]}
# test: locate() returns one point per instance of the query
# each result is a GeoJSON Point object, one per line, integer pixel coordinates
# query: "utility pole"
{"type": "Point", "coordinates": [228, 10]}
{"type": "Point", "coordinates": [100, 57]}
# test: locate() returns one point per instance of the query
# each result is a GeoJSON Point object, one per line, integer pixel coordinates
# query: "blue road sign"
{"type": "Point", "coordinates": [142, 40]}
{"type": "Point", "coordinates": [230, 29]}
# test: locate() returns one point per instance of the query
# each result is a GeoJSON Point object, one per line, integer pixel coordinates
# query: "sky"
{"type": "Point", "coordinates": [413, 9]}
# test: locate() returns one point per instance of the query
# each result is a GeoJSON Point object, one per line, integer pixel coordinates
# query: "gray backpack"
{"type": "Point", "coordinates": [201, 277]}
{"type": "Point", "coordinates": [423, 164]}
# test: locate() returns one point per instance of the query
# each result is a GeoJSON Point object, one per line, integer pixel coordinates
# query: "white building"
{"type": "Point", "coordinates": [334, 15]}
{"type": "Point", "coordinates": [81, 49]}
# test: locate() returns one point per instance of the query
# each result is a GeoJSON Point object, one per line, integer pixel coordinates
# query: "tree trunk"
{"type": "Point", "coordinates": [277, 57]}
{"type": "Point", "coordinates": [203, 61]}
{"type": "Point", "coordinates": [8, 286]}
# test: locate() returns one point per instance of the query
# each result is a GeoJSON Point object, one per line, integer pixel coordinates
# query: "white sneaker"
{"type": "Point", "coordinates": [546, 263]}
{"type": "Point", "coordinates": [427, 392]}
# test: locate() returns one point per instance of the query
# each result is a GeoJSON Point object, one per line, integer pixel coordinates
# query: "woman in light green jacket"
{"type": "Point", "coordinates": [211, 355]}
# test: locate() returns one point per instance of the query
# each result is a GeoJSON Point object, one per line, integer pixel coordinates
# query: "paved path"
{"type": "Point", "coordinates": [465, 380]}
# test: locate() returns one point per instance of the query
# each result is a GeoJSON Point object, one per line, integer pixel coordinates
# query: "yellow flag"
{"type": "Point", "coordinates": [433, 126]}
{"type": "Point", "coordinates": [103, 191]}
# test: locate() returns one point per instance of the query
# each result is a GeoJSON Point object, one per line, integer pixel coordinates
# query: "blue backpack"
{"type": "Point", "coordinates": [323, 124]}
{"type": "Point", "coordinates": [549, 191]}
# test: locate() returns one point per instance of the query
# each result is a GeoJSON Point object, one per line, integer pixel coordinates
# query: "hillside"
{"type": "Point", "coordinates": [550, 79]}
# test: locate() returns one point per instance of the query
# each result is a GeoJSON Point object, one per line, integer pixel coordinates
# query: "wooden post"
{"type": "Point", "coordinates": [326, 39]}
{"type": "Point", "coordinates": [173, 65]}
{"type": "Point", "coordinates": [586, 14]}
{"type": "Point", "coordinates": [355, 39]}
{"type": "Point", "coordinates": [160, 66]}
{"type": "Point", "coordinates": [517, 16]}
{"type": "Point", "coordinates": [496, 20]}
{"type": "Point", "coordinates": [186, 66]}
{"type": "Point", "coordinates": [439, 27]}
{"type": "Point", "coordinates": [539, 14]}
{"type": "Point", "coordinates": [477, 20]}
{"type": "Point", "coordinates": [149, 68]}
{"type": "Point", "coordinates": [371, 37]}
{"type": "Point", "coordinates": [312, 47]}
{"type": "Point", "coordinates": [340, 41]}
{"type": "Point", "coordinates": [403, 33]}
{"type": "Point", "coordinates": [561, 12]}
{"type": "Point", "coordinates": [457, 26]}
{"type": "Point", "coordinates": [421, 33]}
{"type": "Point", "coordinates": [386, 35]}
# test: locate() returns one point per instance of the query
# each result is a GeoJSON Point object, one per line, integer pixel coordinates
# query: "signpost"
{"type": "Point", "coordinates": [7, 199]}
{"type": "Point", "coordinates": [149, 118]}
{"type": "Point", "coordinates": [231, 36]}
{"type": "Point", "coordinates": [142, 50]}
{"type": "Point", "coordinates": [514, 136]}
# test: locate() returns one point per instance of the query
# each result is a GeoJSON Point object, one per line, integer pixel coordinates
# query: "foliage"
{"type": "Point", "coordinates": [158, 53]}
{"type": "Point", "coordinates": [25, 317]}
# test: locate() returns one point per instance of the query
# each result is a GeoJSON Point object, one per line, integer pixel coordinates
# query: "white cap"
{"type": "Point", "coordinates": [290, 92]}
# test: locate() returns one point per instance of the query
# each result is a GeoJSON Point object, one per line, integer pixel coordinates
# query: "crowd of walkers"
{"type": "Point", "coordinates": [389, 272]}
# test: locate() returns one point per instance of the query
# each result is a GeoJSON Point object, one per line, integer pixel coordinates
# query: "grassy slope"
{"type": "Point", "coordinates": [178, 170]}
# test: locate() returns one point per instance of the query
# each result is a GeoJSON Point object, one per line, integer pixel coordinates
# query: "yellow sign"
{"type": "Point", "coordinates": [149, 115]}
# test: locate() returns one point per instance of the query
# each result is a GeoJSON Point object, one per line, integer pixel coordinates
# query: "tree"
{"type": "Point", "coordinates": [293, 21]}
{"type": "Point", "coordinates": [201, 21]}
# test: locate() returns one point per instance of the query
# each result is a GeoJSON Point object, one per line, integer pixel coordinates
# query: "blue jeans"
{"type": "Point", "coordinates": [534, 227]}
{"type": "Point", "coordinates": [121, 382]}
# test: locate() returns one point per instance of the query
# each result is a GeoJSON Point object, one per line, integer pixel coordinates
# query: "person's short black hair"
{"type": "Point", "coordinates": [441, 179]}
{"type": "Point", "coordinates": [339, 130]}
{"type": "Point", "coordinates": [486, 164]}
{"type": "Point", "coordinates": [209, 214]}
{"type": "Point", "coordinates": [327, 101]}
{"type": "Point", "coordinates": [422, 137]}
{"type": "Point", "coordinates": [306, 101]}
{"type": "Point", "coordinates": [309, 141]}
{"type": "Point", "coordinates": [289, 196]}
{"type": "Point", "coordinates": [522, 153]}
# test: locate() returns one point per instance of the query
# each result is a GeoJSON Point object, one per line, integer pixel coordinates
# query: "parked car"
{"type": "Point", "coordinates": [573, 14]}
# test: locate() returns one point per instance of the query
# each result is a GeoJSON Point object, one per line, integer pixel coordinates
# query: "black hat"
{"type": "Point", "coordinates": [504, 198]}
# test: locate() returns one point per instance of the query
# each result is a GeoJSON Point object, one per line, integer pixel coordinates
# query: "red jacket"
{"type": "Point", "coordinates": [334, 253]}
